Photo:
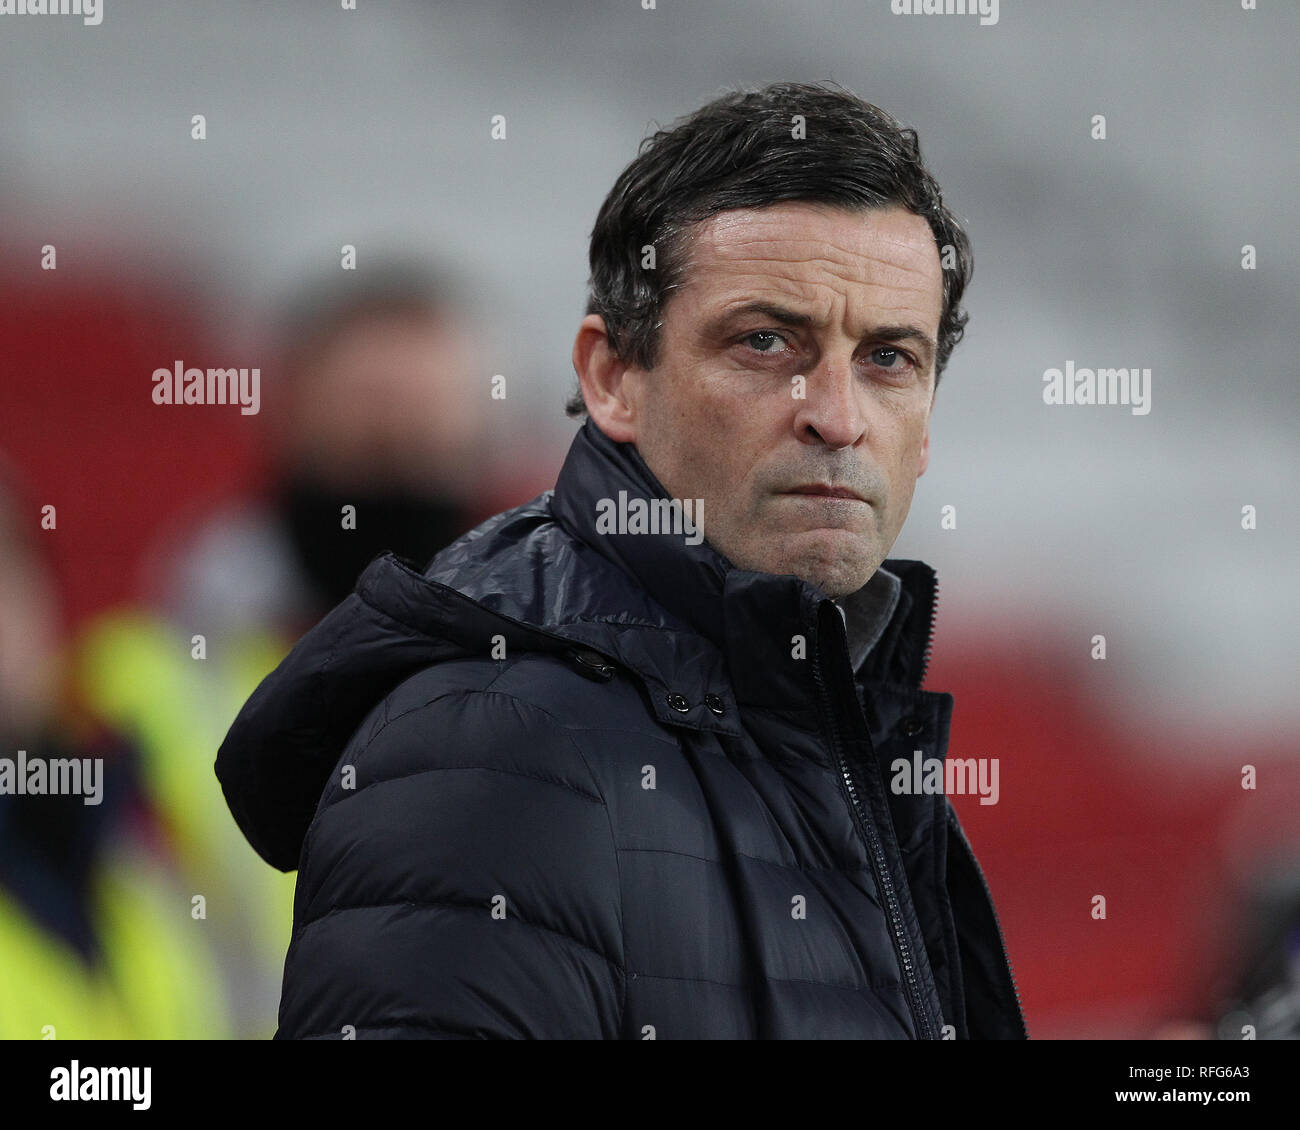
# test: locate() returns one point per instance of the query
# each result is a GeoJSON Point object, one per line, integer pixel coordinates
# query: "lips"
{"type": "Point", "coordinates": [821, 490]}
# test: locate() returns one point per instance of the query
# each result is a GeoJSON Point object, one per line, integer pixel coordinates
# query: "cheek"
{"type": "Point", "coordinates": [708, 469]}
{"type": "Point", "coordinates": [910, 423]}
{"type": "Point", "coordinates": [905, 458]}
{"type": "Point", "coordinates": [713, 464]}
{"type": "Point", "coordinates": [701, 429]}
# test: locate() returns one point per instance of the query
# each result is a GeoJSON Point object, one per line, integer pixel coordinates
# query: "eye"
{"type": "Point", "coordinates": [763, 335]}
{"type": "Point", "coordinates": [892, 360]}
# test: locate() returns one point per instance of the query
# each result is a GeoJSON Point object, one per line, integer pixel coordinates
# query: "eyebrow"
{"type": "Point", "coordinates": [778, 313]}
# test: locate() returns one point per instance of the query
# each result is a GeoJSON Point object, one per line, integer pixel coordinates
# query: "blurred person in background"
{"type": "Point", "coordinates": [372, 409]}
{"type": "Point", "coordinates": [373, 439]}
{"type": "Point", "coordinates": [96, 938]}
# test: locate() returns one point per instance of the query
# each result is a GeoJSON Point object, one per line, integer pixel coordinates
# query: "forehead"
{"type": "Point", "coordinates": [880, 257]}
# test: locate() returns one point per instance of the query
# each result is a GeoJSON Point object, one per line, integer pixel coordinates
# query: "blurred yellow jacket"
{"type": "Point", "coordinates": [154, 982]}
{"type": "Point", "coordinates": [174, 699]}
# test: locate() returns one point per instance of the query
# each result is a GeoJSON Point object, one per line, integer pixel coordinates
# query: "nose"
{"type": "Point", "coordinates": [830, 411]}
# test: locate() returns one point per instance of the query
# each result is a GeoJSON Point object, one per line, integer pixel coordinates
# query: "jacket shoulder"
{"type": "Point", "coordinates": [514, 716]}
{"type": "Point", "coordinates": [461, 843]}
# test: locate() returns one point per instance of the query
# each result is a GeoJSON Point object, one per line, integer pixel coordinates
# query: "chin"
{"type": "Point", "coordinates": [836, 574]}
{"type": "Point", "coordinates": [834, 560]}
{"type": "Point", "coordinates": [839, 583]}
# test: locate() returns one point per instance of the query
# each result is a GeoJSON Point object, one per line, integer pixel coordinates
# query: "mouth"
{"type": "Point", "coordinates": [822, 490]}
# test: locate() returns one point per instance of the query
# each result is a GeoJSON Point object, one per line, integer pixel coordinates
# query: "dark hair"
{"type": "Point", "coordinates": [738, 152]}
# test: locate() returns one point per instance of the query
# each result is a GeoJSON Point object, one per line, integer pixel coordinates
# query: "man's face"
{"type": "Point", "coordinates": [383, 405]}
{"type": "Point", "coordinates": [766, 413]}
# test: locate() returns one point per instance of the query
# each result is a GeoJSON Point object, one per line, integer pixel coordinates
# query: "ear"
{"type": "Point", "coordinates": [601, 375]}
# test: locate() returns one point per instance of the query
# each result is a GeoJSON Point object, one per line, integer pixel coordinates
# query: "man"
{"type": "Point", "coordinates": [614, 766]}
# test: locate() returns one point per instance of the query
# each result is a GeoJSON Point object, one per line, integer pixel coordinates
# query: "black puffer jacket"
{"type": "Point", "coordinates": [581, 785]}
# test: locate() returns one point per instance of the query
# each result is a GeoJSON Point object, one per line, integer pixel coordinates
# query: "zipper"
{"type": "Point", "coordinates": [929, 636]}
{"type": "Point", "coordinates": [997, 925]}
{"type": "Point", "coordinates": [880, 866]}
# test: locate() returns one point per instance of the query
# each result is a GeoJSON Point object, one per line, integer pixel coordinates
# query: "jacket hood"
{"type": "Point", "coordinates": [543, 577]}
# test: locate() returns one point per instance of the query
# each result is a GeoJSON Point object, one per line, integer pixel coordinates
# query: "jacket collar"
{"type": "Point", "coordinates": [867, 615]}
{"type": "Point", "coordinates": [766, 627]}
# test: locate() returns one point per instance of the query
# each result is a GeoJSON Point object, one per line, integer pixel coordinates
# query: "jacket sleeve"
{"type": "Point", "coordinates": [459, 880]}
